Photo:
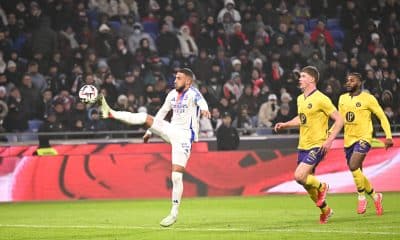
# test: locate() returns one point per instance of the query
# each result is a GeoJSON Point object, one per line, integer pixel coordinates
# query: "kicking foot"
{"type": "Point", "coordinates": [105, 109]}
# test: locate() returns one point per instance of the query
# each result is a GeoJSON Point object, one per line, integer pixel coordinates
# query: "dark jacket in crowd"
{"type": "Point", "coordinates": [227, 138]}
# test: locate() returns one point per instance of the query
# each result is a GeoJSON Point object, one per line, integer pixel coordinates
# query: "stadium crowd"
{"type": "Point", "coordinates": [246, 56]}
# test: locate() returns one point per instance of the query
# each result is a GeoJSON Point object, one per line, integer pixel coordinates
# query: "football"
{"type": "Point", "coordinates": [88, 94]}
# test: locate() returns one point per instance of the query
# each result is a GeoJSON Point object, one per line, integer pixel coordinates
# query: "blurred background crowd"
{"type": "Point", "coordinates": [246, 55]}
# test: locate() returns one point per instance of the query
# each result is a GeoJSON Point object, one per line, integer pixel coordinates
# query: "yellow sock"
{"type": "Point", "coordinates": [313, 181]}
{"type": "Point", "coordinates": [312, 192]}
{"type": "Point", "coordinates": [359, 177]}
{"type": "Point", "coordinates": [368, 187]}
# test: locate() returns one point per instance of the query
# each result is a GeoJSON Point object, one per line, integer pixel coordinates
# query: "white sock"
{"type": "Point", "coordinates": [177, 190]}
{"type": "Point", "coordinates": [130, 118]}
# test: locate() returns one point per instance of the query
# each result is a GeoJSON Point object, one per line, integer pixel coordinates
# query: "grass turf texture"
{"type": "Point", "coordinates": [269, 217]}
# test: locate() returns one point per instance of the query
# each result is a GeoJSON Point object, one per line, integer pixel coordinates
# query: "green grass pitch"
{"type": "Point", "coordinates": [268, 217]}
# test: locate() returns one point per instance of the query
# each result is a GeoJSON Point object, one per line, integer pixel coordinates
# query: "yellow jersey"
{"type": "Point", "coordinates": [314, 112]}
{"type": "Point", "coordinates": [356, 112]}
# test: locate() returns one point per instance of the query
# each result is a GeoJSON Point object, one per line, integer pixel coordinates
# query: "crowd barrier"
{"type": "Point", "coordinates": [114, 171]}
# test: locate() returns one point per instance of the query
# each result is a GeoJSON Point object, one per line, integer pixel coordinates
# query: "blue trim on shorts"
{"type": "Point", "coordinates": [312, 156]}
{"type": "Point", "coordinates": [360, 146]}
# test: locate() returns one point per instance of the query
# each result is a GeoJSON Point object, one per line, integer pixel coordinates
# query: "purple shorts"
{"type": "Point", "coordinates": [359, 146]}
{"type": "Point", "coordinates": [311, 157]}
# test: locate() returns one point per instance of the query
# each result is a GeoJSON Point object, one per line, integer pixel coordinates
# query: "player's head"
{"type": "Point", "coordinates": [183, 80]}
{"type": "Point", "coordinates": [309, 76]}
{"type": "Point", "coordinates": [353, 82]}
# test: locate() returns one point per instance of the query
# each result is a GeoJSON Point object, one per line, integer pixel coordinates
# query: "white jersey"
{"type": "Point", "coordinates": [186, 108]}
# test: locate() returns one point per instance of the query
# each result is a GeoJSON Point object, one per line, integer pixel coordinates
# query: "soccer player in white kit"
{"type": "Point", "coordinates": [187, 105]}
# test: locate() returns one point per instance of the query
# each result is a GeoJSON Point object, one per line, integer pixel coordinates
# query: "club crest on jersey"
{"type": "Point", "coordinates": [309, 106]}
{"type": "Point", "coordinates": [358, 104]}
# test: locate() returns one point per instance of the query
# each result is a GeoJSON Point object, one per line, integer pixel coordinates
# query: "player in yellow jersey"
{"type": "Point", "coordinates": [356, 108]}
{"type": "Point", "coordinates": [314, 111]}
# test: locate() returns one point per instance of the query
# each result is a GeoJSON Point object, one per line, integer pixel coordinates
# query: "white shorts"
{"type": "Point", "coordinates": [180, 139]}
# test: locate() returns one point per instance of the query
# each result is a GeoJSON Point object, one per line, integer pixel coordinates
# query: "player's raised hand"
{"type": "Point", "coordinates": [278, 126]}
{"type": "Point", "coordinates": [147, 136]}
{"type": "Point", "coordinates": [388, 143]}
{"type": "Point", "coordinates": [205, 113]}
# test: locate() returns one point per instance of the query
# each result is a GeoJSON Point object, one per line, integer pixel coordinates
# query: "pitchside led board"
{"type": "Point", "coordinates": [110, 171]}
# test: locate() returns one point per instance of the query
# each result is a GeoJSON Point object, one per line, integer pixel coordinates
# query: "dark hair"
{"type": "Point", "coordinates": [312, 71]}
{"type": "Point", "coordinates": [187, 72]}
{"type": "Point", "coordinates": [356, 74]}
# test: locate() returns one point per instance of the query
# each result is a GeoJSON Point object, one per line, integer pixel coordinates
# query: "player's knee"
{"type": "Point", "coordinates": [300, 177]}
{"type": "Point", "coordinates": [353, 166]}
{"type": "Point", "coordinates": [177, 177]}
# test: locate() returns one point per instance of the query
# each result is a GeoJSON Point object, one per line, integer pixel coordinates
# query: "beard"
{"type": "Point", "coordinates": [179, 89]}
{"type": "Point", "coordinates": [352, 89]}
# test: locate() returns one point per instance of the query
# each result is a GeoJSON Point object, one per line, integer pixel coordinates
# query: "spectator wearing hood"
{"type": "Point", "coordinates": [268, 111]}
{"type": "Point", "coordinates": [187, 43]}
{"type": "Point", "coordinates": [229, 7]}
{"type": "Point", "coordinates": [137, 36]}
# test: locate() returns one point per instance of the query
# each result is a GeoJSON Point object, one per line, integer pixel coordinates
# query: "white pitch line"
{"type": "Point", "coordinates": [283, 230]}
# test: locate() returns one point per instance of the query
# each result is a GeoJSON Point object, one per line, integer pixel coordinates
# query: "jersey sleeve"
{"type": "Point", "coordinates": [327, 106]}
{"type": "Point", "coordinates": [165, 108]}
{"type": "Point", "coordinates": [377, 110]}
{"type": "Point", "coordinates": [200, 101]}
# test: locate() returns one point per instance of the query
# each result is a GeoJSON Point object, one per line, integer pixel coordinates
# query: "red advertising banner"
{"type": "Point", "coordinates": [109, 171]}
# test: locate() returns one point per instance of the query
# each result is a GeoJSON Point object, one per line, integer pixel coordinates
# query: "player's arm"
{"type": "Point", "coordinates": [165, 108]}
{"type": "Point", "coordinates": [341, 112]}
{"type": "Point", "coordinates": [202, 103]}
{"type": "Point", "coordinates": [295, 122]}
{"type": "Point", "coordinates": [330, 110]}
{"type": "Point", "coordinates": [377, 110]}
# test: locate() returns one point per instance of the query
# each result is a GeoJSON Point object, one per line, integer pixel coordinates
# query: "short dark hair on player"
{"type": "Point", "coordinates": [312, 71]}
{"type": "Point", "coordinates": [187, 72]}
{"type": "Point", "coordinates": [356, 74]}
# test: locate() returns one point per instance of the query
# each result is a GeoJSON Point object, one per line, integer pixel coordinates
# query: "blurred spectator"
{"type": "Point", "coordinates": [38, 79]}
{"type": "Point", "coordinates": [44, 39]}
{"type": "Point", "coordinates": [121, 59]}
{"type": "Point", "coordinates": [320, 32]}
{"type": "Point", "coordinates": [233, 88]}
{"type": "Point", "coordinates": [16, 119]}
{"type": "Point", "coordinates": [201, 67]}
{"type": "Point", "coordinates": [301, 10]}
{"type": "Point", "coordinates": [249, 100]}
{"type": "Point", "coordinates": [187, 44]}
{"type": "Point", "coordinates": [94, 123]}
{"type": "Point", "coordinates": [216, 119]}
{"type": "Point", "coordinates": [137, 36]}
{"type": "Point", "coordinates": [229, 8]}
{"type": "Point", "coordinates": [205, 127]}
{"type": "Point", "coordinates": [244, 121]}
{"type": "Point", "coordinates": [167, 41]}
{"type": "Point", "coordinates": [46, 104]}
{"type": "Point", "coordinates": [227, 136]}
{"type": "Point", "coordinates": [268, 112]}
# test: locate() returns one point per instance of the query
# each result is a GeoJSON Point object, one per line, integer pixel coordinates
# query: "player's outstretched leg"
{"type": "Point", "coordinates": [127, 117]}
